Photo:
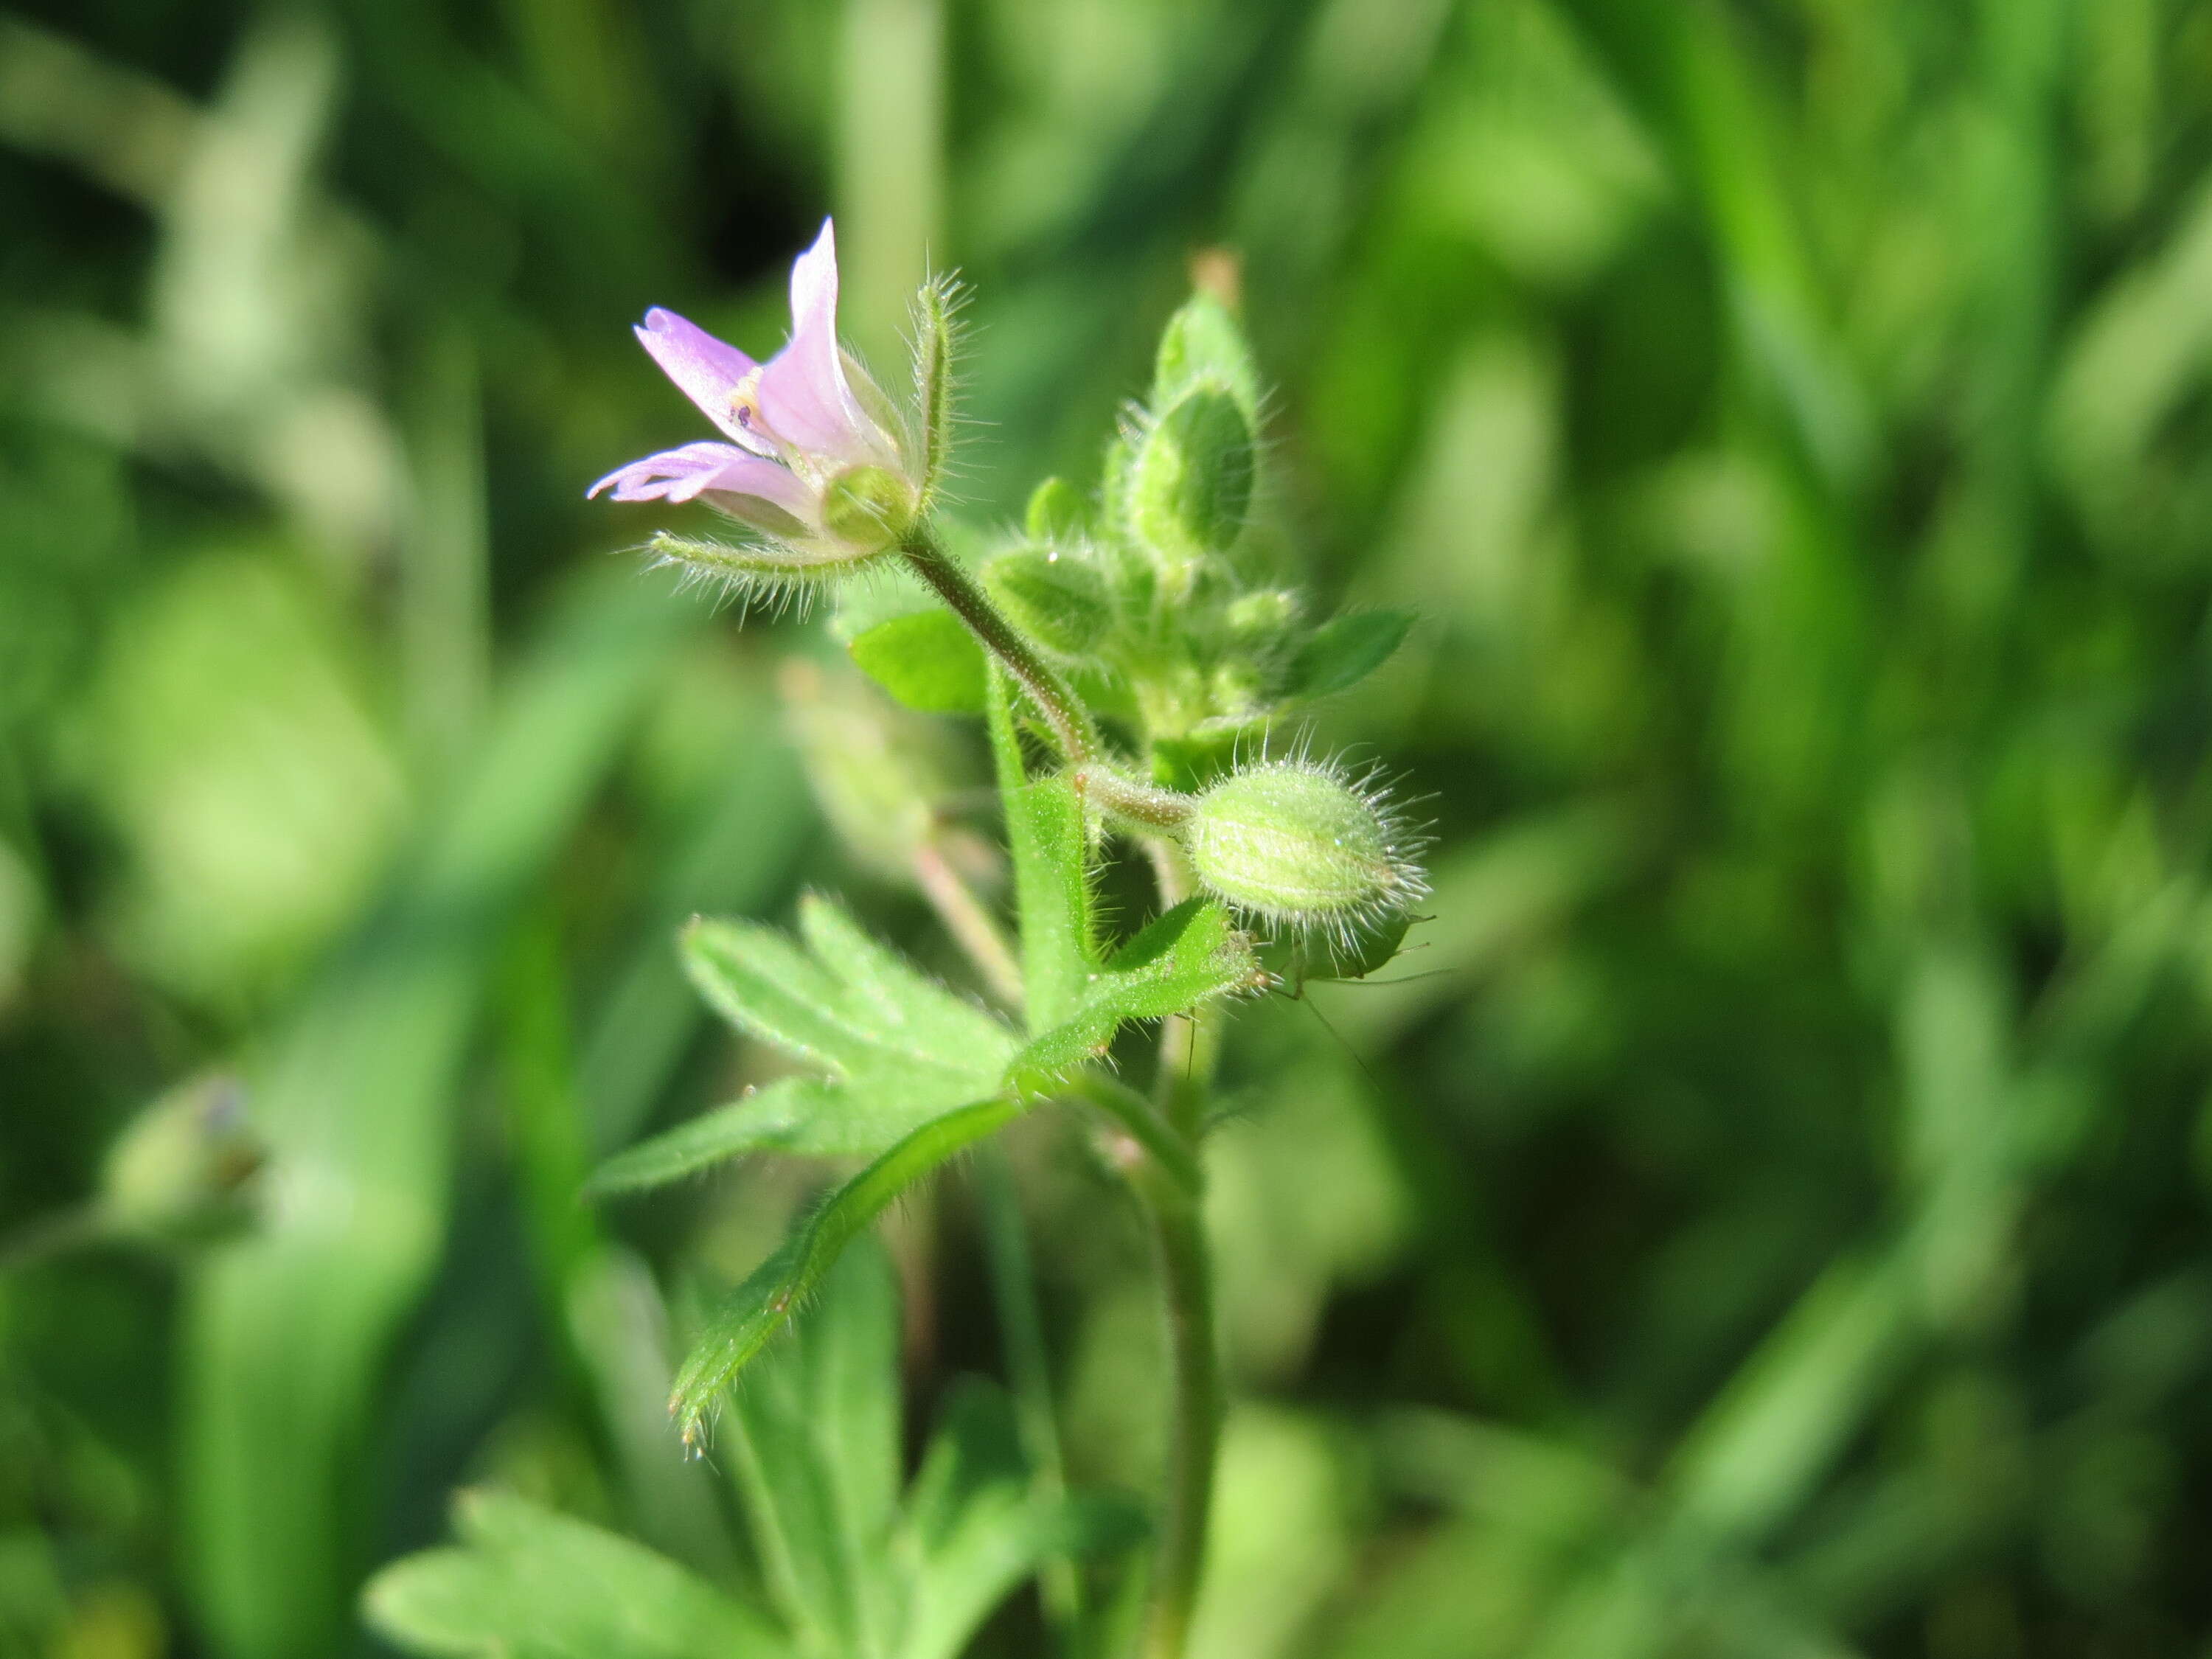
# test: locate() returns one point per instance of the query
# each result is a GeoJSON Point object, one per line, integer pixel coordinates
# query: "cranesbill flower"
{"type": "Point", "coordinates": [818, 461]}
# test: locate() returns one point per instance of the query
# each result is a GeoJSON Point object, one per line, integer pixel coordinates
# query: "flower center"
{"type": "Point", "coordinates": [745, 410]}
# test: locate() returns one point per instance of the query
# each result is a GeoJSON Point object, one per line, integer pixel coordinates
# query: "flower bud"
{"type": "Point", "coordinates": [1056, 598]}
{"type": "Point", "coordinates": [1192, 478]}
{"type": "Point", "coordinates": [183, 1170]}
{"type": "Point", "coordinates": [1261, 618]}
{"type": "Point", "coordinates": [1055, 512]}
{"type": "Point", "coordinates": [1202, 344]}
{"type": "Point", "coordinates": [1296, 843]}
{"type": "Point", "coordinates": [868, 507]}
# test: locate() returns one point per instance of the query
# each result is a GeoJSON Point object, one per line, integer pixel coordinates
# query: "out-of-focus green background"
{"type": "Point", "coordinates": [1766, 1215]}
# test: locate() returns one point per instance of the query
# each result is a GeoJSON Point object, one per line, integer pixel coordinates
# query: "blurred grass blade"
{"type": "Point", "coordinates": [286, 1335]}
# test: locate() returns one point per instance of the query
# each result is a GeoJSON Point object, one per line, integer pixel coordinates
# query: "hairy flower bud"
{"type": "Point", "coordinates": [1299, 845]}
{"type": "Point", "coordinates": [1191, 482]}
{"type": "Point", "coordinates": [183, 1170]}
{"type": "Point", "coordinates": [1057, 597]}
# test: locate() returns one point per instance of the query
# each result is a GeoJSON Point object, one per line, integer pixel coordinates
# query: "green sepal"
{"type": "Point", "coordinates": [927, 659]}
{"type": "Point", "coordinates": [934, 305]}
{"type": "Point", "coordinates": [1302, 960]}
{"type": "Point", "coordinates": [1338, 655]}
{"type": "Point", "coordinates": [525, 1582]}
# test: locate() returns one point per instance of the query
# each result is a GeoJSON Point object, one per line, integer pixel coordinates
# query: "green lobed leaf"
{"type": "Point", "coordinates": [753, 1313]}
{"type": "Point", "coordinates": [846, 1004]}
{"type": "Point", "coordinates": [899, 1050]}
{"type": "Point", "coordinates": [528, 1583]}
{"type": "Point", "coordinates": [808, 1117]}
{"type": "Point", "coordinates": [1338, 655]}
{"type": "Point", "coordinates": [927, 659]}
{"type": "Point", "coordinates": [1190, 956]}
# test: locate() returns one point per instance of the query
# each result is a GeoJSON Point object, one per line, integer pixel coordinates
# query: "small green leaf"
{"type": "Point", "coordinates": [1340, 654]}
{"type": "Point", "coordinates": [978, 1526]}
{"type": "Point", "coordinates": [1191, 954]}
{"type": "Point", "coordinates": [528, 1583]}
{"type": "Point", "coordinates": [753, 1313]}
{"type": "Point", "coordinates": [1055, 512]}
{"type": "Point", "coordinates": [927, 659]}
{"type": "Point", "coordinates": [1201, 343]}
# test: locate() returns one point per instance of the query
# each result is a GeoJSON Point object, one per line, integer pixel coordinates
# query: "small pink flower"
{"type": "Point", "coordinates": [801, 426]}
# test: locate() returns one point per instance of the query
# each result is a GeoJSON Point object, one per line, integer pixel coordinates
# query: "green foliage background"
{"type": "Point", "coordinates": [1765, 1215]}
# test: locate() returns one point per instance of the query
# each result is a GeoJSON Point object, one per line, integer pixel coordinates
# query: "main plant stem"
{"type": "Point", "coordinates": [1165, 1178]}
{"type": "Point", "coordinates": [1189, 1045]}
{"type": "Point", "coordinates": [1195, 1423]}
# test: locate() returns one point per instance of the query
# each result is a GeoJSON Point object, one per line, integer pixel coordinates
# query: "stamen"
{"type": "Point", "coordinates": [745, 410]}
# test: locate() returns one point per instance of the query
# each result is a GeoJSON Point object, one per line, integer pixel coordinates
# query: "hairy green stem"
{"type": "Point", "coordinates": [1167, 1177]}
{"type": "Point", "coordinates": [1055, 700]}
{"type": "Point", "coordinates": [1189, 1048]}
{"type": "Point", "coordinates": [1072, 730]}
{"type": "Point", "coordinates": [1194, 1425]}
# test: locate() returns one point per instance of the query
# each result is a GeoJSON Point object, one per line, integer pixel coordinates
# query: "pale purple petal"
{"type": "Point", "coordinates": [709, 370]}
{"type": "Point", "coordinates": [681, 475]}
{"type": "Point", "coordinates": [803, 393]}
